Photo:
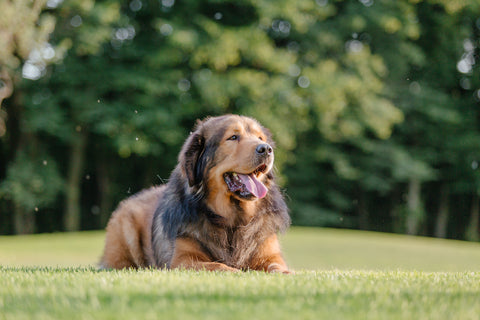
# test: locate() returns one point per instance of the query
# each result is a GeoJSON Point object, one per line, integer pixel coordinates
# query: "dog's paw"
{"type": "Point", "coordinates": [278, 268]}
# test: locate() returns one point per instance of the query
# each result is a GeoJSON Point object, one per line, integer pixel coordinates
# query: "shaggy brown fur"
{"type": "Point", "coordinates": [220, 210]}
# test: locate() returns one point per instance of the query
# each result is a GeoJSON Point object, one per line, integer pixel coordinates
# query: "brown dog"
{"type": "Point", "coordinates": [220, 210]}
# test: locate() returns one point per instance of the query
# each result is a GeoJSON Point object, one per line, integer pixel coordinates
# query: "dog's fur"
{"type": "Point", "coordinates": [195, 221]}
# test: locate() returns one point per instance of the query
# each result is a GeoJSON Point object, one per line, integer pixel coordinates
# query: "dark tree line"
{"type": "Point", "coordinates": [374, 105]}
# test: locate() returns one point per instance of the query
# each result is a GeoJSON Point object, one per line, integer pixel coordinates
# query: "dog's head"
{"type": "Point", "coordinates": [229, 156]}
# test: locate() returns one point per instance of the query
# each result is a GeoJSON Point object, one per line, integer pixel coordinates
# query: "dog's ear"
{"type": "Point", "coordinates": [191, 151]}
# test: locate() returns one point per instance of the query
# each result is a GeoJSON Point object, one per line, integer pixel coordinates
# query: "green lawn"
{"type": "Point", "coordinates": [305, 248]}
{"type": "Point", "coordinates": [340, 275]}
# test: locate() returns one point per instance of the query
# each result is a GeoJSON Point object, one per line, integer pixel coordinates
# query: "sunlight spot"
{"type": "Point", "coordinates": [468, 45]}
{"type": "Point", "coordinates": [183, 85]}
{"type": "Point", "coordinates": [166, 29]}
{"type": "Point", "coordinates": [168, 3]}
{"type": "Point", "coordinates": [354, 46]}
{"type": "Point", "coordinates": [76, 21]}
{"type": "Point", "coordinates": [31, 71]}
{"type": "Point", "coordinates": [123, 34]}
{"type": "Point", "coordinates": [293, 46]}
{"type": "Point", "coordinates": [281, 26]}
{"type": "Point", "coordinates": [367, 3]}
{"type": "Point", "coordinates": [463, 66]}
{"type": "Point", "coordinates": [465, 83]}
{"type": "Point", "coordinates": [135, 5]}
{"type": "Point", "coordinates": [304, 82]}
{"type": "Point", "coordinates": [218, 16]}
{"type": "Point", "coordinates": [48, 52]}
{"type": "Point", "coordinates": [95, 210]}
{"type": "Point", "coordinates": [321, 3]}
{"type": "Point", "coordinates": [294, 70]}
{"type": "Point", "coordinates": [202, 75]}
{"type": "Point", "coordinates": [415, 87]}
{"type": "Point", "coordinates": [52, 4]}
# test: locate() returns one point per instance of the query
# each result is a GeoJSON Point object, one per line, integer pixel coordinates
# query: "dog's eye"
{"type": "Point", "coordinates": [234, 137]}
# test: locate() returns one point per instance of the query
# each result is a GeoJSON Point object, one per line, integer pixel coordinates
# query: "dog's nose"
{"type": "Point", "coordinates": [264, 149]}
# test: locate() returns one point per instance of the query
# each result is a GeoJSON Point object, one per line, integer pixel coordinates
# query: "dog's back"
{"type": "Point", "coordinates": [129, 232]}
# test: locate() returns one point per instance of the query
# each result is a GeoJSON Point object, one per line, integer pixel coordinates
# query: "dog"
{"type": "Point", "coordinates": [220, 210]}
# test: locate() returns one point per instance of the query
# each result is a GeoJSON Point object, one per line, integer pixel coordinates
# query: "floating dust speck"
{"type": "Point", "coordinates": [475, 165]}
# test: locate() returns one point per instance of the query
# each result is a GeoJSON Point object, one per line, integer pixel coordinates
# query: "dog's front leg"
{"type": "Point", "coordinates": [188, 254]}
{"type": "Point", "coordinates": [269, 257]}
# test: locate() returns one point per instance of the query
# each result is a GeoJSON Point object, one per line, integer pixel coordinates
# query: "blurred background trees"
{"type": "Point", "coordinates": [374, 105]}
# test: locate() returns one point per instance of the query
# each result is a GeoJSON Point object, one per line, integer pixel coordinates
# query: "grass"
{"type": "Point", "coordinates": [304, 248]}
{"type": "Point", "coordinates": [152, 294]}
{"type": "Point", "coordinates": [340, 275]}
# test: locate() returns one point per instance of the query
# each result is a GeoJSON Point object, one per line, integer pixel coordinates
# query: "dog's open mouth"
{"type": "Point", "coordinates": [246, 185]}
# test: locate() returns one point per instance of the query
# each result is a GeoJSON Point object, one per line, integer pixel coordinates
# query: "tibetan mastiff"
{"type": "Point", "coordinates": [220, 210]}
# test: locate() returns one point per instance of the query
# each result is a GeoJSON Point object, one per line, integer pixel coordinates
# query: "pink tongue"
{"type": "Point", "coordinates": [254, 186]}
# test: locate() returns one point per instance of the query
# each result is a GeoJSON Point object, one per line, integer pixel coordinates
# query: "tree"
{"type": "Point", "coordinates": [24, 30]}
{"type": "Point", "coordinates": [28, 37]}
{"type": "Point", "coordinates": [373, 104]}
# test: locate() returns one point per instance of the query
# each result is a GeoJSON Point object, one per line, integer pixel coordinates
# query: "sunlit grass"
{"type": "Point", "coordinates": [47, 293]}
{"type": "Point", "coordinates": [58, 249]}
{"type": "Point", "coordinates": [305, 248]}
{"type": "Point", "coordinates": [326, 249]}
{"type": "Point", "coordinates": [340, 275]}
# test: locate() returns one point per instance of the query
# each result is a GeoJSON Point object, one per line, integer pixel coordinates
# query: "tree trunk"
{"type": "Point", "coordinates": [414, 207]}
{"type": "Point", "coordinates": [441, 224]}
{"type": "Point", "coordinates": [75, 171]}
{"type": "Point", "coordinates": [105, 192]}
{"type": "Point", "coordinates": [362, 211]}
{"type": "Point", "coordinates": [23, 221]}
{"type": "Point", "coordinates": [398, 225]}
{"type": "Point", "coordinates": [473, 232]}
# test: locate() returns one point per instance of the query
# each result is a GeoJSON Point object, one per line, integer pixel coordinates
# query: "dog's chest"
{"type": "Point", "coordinates": [233, 247]}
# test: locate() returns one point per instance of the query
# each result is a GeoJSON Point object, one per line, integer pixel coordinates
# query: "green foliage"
{"type": "Point", "coordinates": [362, 98]}
{"type": "Point", "coordinates": [23, 28]}
{"type": "Point", "coordinates": [32, 183]}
